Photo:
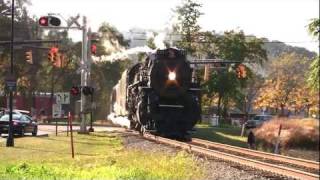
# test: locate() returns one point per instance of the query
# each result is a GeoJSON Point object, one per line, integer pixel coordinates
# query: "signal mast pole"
{"type": "Point", "coordinates": [10, 140]}
{"type": "Point", "coordinates": [84, 75]}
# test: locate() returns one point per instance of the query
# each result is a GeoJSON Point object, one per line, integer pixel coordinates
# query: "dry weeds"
{"type": "Point", "coordinates": [295, 133]}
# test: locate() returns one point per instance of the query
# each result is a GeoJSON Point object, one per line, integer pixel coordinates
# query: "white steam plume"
{"type": "Point", "coordinates": [159, 40]}
{"type": "Point", "coordinates": [122, 54]}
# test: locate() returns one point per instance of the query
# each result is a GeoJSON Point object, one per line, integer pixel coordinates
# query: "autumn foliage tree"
{"type": "Point", "coordinates": [313, 75]}
{"type": "Point", "coordinates": [285, 87]}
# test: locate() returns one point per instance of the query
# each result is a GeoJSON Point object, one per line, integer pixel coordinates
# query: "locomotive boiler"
{"type": "Point", "coordinates": [159, 95]}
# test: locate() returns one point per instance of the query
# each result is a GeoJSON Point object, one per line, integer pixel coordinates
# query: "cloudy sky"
{"type": "Point", "coordinates": [283, 20]}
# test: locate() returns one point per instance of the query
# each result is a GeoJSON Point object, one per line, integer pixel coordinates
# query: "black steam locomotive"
{"type": "Point", "coordinates": [159, 95]}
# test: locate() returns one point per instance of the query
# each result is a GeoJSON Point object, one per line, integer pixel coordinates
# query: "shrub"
{"type": "Point", "coordinates": [301, 133]}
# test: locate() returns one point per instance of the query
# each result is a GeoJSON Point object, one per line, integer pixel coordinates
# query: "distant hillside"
{"type": "Point", "coordinates": [276, 48]}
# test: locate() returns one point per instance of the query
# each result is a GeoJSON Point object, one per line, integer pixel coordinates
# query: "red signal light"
{"type": "Point", "coordinates": [93, 49]}
{"type": "Point", "coordinates": [54, 50]}
{"type": "Point", "coordinates": [75, 91]}
{"type": "Point", "coordinates": [43, 21]}
{"type": "Point", "coordinates": [49, 21]}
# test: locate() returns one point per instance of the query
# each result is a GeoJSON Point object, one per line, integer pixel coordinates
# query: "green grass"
{"type": "Point", "coordinates": [97, 156]}
{"type": "Point", "coordinates": [226, 135]}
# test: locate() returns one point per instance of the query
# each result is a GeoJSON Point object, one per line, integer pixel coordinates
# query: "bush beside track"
{"type": "Point", "coordinates": [296, 133]}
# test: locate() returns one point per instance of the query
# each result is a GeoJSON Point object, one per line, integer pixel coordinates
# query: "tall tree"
{"type": "Point", "coordinates": [314, 73]}
{"type": "Point", "coordinates": [25, 28]}
{"type": "Point", "coordinates": [231, 46]}
{"type": "Point", "coordinates": [187, 26]}
{"type": "Point", "coordinates": [285, 86]}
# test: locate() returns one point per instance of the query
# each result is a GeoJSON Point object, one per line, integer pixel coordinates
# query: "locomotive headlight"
{"type": "Point", "coordinates": [172, 76]}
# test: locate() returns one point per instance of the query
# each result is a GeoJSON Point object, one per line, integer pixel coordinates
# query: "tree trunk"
{"type": "Point", "coordinates": [225, 112]}
{"type": "Point", "coordinates": [219, 105]}
{"type": "Point", "coordinates": [282, 110]}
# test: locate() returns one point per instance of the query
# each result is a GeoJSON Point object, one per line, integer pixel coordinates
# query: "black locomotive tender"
{"type": "Point", "coordinates": [159, 95]}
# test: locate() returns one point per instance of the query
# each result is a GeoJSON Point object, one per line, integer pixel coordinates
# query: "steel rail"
{"type": "Point", "coordinates": [270, 156]}
{"type": "Point", "coordinates": [285, 171]}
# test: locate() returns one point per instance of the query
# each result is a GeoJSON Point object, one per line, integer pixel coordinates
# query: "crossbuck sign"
{"type": "Point", "coordinates": [62, 98]}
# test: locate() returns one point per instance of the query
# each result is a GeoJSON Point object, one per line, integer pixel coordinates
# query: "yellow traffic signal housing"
{"type": "Point", "coordinates": [56, 60]}
{"type": "Point", "coordinates": [241, 71]}
{"type": "Point", "coordinates": [50, 56]}
{"type": "Point", "coordinates": [53, 55]}
{"type": "Point", "coordinates": [62, 60]}
{"type": "Point", "coordinates": [29, 57]}
{"type": "Point", "coordinates": [206, 75]}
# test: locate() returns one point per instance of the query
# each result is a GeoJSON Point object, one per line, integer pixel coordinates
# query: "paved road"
{"type": "Point", "coordinates": [51, 129]}
{"type": "Point", "coordinates": [45, 130]}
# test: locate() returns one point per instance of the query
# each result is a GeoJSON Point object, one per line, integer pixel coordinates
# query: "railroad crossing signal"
{"type": "Point", "coordinates": [29, 57]}
{"type": "Point", "coordinates": [75, 91]}
{"type": "Point", "coordinates": [87, 90]}
{"type": "Point", "coordinates": [50, 21]}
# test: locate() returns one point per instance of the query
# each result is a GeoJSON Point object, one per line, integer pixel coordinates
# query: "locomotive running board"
{"type": "Point", "coordinates": [169, 105]}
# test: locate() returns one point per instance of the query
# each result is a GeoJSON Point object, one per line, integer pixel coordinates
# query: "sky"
{"type": "Point", "coordinates": [283, 20]}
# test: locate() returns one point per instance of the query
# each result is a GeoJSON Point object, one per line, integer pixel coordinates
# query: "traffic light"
{"type": "Point", "coordinates": [29, 57]}
{"type": "Point", "coordinates": [244, 72]}
{"type": "Point", "coordinates": [51, 53]}
{"type": "Point", "coordinates": [75, 91]}
{"type": "Point", "coordinates": [50, 56]}
{"type": "Point", "coordinates": [93, 49]}
{"type": "Point", "coordinates": [87, 90]}
{"type": "Point", "coordinates": [206, 72]}
{"type": "Point", "coordinates": [49, 21]}
{"type": "Point", "coordinates": [57, 60]}
{"type": "Point", "coordinates": [62, 60]}
{"type": "Point", "coordinates": [241, 71]}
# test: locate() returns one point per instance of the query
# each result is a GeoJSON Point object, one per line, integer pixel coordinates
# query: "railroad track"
{"type": "Point", "coordinates": [206, 148]}
{"type": "Point", "coordinates": [312, 166]}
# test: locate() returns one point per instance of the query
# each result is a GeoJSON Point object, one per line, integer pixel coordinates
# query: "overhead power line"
{"type": "Point", "coordinates": [176, 34]}
{"type": "Point", "coordinates": [293, 42]}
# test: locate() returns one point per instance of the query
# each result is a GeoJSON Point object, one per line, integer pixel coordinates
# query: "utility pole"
{"type": "Point", "coordinates": [84, 63]}
{"type": "Point", "coordinates": [89, 76]}
{"type": "Point", "coordinates": [10, 140]}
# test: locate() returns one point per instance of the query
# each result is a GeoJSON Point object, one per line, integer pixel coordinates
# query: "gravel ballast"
{"type": "Point", "coordinates": [214, 168]}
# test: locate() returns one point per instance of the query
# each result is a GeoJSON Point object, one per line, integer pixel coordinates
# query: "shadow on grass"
{"type": "Point", "coordinates": [80, 142]}
{"type": "Point", "coordinates": [56, 152]}
{"type": "Point", "coordinates": [229, 136]}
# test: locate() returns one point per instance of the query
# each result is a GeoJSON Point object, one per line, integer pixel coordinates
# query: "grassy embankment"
{"type": "Point", "coordinates": [222, 134]}
{"type": "Point", "coordinates": [97, 156]}
{"type": "Point", "coordinates": [299, 137]}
